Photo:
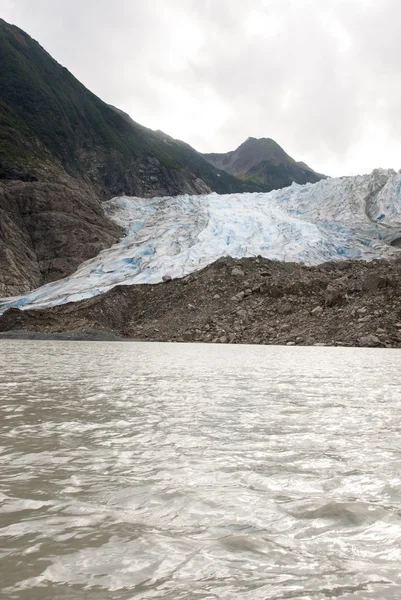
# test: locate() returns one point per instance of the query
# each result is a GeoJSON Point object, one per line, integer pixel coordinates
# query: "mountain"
{"type": "Point", "coordinates": [47, 114]}
{"type": "Point", "coordinates": [264, 162]}
{"type": "Point", "coordinates": [63, 151]}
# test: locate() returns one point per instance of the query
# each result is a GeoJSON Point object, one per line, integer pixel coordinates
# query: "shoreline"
{"type": "Point", "coordinates": [236, 301]}
{"type": "Point", "coordinates": [102, 336]}
{"type": "Point", "coordinates": [75, 335]}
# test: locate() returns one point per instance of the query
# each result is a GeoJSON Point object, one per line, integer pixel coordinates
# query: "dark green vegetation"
{"type": "Point", "coordinates": [46, 114]}
{"type": "Point", "coordinates": [264, 162]}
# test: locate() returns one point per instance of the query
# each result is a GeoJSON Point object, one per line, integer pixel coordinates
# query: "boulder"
{"type": "Point", "coordinates": [372, 282]}
{"type": "Point", "coordinates": [333, 296]}
{"type": "Point", "coordinates": [238, 297]}
{"type": "Point", "coordinates": [369, 341]}
{"type": "Point", "coordinates": [285, 309]}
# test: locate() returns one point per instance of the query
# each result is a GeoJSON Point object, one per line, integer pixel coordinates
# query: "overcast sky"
{"type": "Point", "coordinates": [321, 77]}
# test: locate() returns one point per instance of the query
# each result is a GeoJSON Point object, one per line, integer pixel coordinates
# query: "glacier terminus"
{"type": "Point", "coordinates": [347, 218]}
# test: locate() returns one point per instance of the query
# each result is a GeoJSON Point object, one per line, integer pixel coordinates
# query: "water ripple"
{"type": "Point", "coordinates": [199, 472]}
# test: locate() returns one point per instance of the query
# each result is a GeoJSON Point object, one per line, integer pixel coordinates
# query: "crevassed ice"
{"type": "Point", "coordinates": [334, 219]}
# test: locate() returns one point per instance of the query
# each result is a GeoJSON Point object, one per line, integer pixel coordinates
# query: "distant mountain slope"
{"type": "Point", "coordinates": [89, 138]}
{"type": "Point", "coordinates": [264, 162]}
{"type": "Point", "coordinates": [62, 150]}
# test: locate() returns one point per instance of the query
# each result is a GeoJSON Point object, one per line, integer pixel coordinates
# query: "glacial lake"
{"type": "Point", "coordinates": [199, 472]}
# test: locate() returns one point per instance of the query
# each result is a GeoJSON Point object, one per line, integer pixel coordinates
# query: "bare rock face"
{"type": "Point", "coordinates": [148, 177]}
{"type": "Point", "coordinates": [54, 222]}
{"type": "Point", "coordinates": [47, 229]}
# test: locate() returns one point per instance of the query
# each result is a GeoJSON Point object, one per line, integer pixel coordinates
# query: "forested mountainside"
{"type": "Point", "coordinates": [63, 150]}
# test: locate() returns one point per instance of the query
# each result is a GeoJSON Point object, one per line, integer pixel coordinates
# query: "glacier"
{"type": "Point", "coordinates": [357, 218]}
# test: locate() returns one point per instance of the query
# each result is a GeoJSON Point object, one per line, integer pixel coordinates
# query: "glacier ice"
{"type": "Point", "coordinates": [334, 219]}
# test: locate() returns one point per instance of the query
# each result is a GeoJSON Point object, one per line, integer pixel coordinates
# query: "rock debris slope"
{"type": "Point", "coordinates": [350, 218]}
{"type": "Point", "coordinates": [250, 300]}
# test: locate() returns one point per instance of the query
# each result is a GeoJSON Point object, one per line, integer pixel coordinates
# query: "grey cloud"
{"type": "Point", "coordinates": [335, 61]}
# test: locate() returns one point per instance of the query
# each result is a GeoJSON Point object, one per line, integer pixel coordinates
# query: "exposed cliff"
{"type": "Point", "coordinates": [47, 228]}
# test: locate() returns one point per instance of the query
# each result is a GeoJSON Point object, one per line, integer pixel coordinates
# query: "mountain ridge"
{"type": "Point", "coordinates": [89, 139]}
{"type": "Point", "coordinates": [263, 161]}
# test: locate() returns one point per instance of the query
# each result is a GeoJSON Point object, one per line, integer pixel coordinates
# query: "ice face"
{"type": "Point", "coordinates": [334, 219]}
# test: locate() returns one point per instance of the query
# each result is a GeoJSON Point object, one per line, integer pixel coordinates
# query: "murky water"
{"type": "Point", "coordinates": [199, 472]}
